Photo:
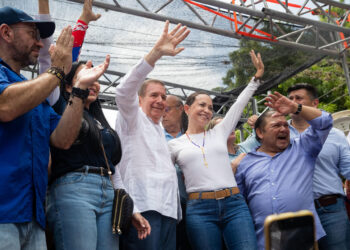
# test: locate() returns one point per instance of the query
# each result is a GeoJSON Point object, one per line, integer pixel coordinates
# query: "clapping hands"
{"type": "Point", "coordinates": [88, 74]}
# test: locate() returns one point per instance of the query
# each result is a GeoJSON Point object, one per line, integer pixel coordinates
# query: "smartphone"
{"type": "Point", "coordinates": [290, 231]}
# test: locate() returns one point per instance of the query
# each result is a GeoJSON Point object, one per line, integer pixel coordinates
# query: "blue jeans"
{"type": "Point", "coordinates": [210, 220]}
{"type": "Point", "coordinates": [335, 222]}
{"type": "Point", "coordinates": [79, 212]}
{"type": "Point", "coordinates": [22, 236]}
{"type": "Point", "coordinates": [162, 237]}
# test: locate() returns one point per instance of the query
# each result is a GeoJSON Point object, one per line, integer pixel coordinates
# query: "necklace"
{"type": "Point", "coordinates": [200, 147]}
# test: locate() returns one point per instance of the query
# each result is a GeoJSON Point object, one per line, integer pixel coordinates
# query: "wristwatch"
{"type": "Point", "coordinates": [80, 93]}
{"type": "Point", "coordinates": [300, 107]}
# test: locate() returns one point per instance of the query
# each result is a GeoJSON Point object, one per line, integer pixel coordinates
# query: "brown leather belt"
{"type": "Point", "coordinates": [93, 170]}
{"type": "Point", "coordinates": [217, 195]}
{"type": "Point", "coordinates": [327, 200]}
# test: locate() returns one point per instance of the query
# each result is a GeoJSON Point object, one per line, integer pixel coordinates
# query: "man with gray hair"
{"type": "Point", "coordinates": [146, 168]}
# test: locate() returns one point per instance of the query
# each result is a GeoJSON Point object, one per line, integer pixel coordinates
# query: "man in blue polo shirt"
{"type": "Point", "coordinates": [28, 124]}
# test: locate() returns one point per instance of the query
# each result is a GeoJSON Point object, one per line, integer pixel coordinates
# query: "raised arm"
{"type": "Point", "coordinates": [285, 106]}
{"type": "Point", "coordinates": [18, 98]}
{"type": "Point", "coordinates": [79, 30]}
{"type": "Point", "coordinates": [126, 92]}
{"type": "Point", "coordinates": [68, 127]}
{"type": "Point", "coordinates": [321, 122]}
{"type": "Point", "coordinates": [232, 117]}
{"type": "Point", "coordinates": [44, 58]}
{"type": "Point", "coordinates": [167, 43]}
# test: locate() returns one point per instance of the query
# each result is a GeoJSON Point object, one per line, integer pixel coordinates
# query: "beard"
{"type": "Point", "coordinates": [23, 54]}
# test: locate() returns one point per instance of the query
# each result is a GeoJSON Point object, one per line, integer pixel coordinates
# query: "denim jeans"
{"type": "Point", "coordinates": [22, 236]}
{"type": "Point", "coordinates": [210, 220]}
{"type": "Point", "coordinates": [162, 237]}
{"type": "Point", "coordinates": [79, 212]}
{"type": "Point", "coordinates": [335, 222]}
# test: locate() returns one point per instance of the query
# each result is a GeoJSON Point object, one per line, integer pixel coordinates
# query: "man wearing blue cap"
{"type": "Point", "coordinates": [28, 124]}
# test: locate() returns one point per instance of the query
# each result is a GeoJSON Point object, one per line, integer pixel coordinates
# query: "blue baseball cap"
{"type": "Point", "coordinates": [10, 16]}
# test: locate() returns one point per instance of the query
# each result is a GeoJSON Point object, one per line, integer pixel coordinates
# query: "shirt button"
{"type": "Point", "coordinates": [273, 184]}
{"type": "Point", "coordinates": [274, 198]}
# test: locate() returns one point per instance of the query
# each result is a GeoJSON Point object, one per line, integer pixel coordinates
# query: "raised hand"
{"type": "Point", "coordinates": [88, 15]}
{"type": "Point", "coordinates": [43, 6]}
{"type": "Point", "coordinates": [252, 120]}
{"type": "Point", "coordinates": [61, 52]}
{"type": "Point", "coordinates": [258, 64]}
{"type": "Point", "coordinates": [167, 43]}
{"type": "Point", "coordinates": [88, 74]}
{"type": "Point", "coordinates": [142, 226]}
{"type": "Point", "coordinates": [281, 104]}
{"type": "Point", "coordinates": [235, 162]}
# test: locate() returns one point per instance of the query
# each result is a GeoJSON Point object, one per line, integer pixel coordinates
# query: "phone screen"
{"type": "Point", "coordinates": [292, 233]}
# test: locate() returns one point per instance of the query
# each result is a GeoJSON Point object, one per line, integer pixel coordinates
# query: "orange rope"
{"type": "Point", "coordinates": [236, 22]}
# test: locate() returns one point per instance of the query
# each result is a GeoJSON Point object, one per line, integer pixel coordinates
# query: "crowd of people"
{"type": "Point", "coordinates": [192, 186]}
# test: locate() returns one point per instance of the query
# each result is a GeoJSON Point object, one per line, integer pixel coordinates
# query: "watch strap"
{"type": "Point", "coordinates": [80, 93]}
{"type": "Point", "coordinates": [59, 73]}
{"type": "Point", "coordinates": [300, 107]}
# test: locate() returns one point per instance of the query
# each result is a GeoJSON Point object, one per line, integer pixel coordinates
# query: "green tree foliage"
{"type": "Point", "coordinates": [327, 75]}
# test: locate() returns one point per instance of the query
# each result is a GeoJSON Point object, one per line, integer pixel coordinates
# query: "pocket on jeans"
{"type": "Point", "coordinates": [238, 196]}
{"type": "Point", "coordinates": [193, 202]}
{"type": "Point", "coordinates": [334, 208]}
{"type": "Point", "coordinates": [69, 178]}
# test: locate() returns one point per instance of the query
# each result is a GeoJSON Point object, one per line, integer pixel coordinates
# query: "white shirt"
{"type": "Point", "coordinates": [146, 168]}
{"type": "Point", "coordinates": [218, 173]}
{"type": "Point", "coordinates": [45, 59]}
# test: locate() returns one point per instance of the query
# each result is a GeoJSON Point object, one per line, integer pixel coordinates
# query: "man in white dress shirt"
{"type": "Point", "coordinates": [146, 168]}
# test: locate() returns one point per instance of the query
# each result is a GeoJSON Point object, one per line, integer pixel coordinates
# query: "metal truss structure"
{"type": "Point", "coordinates": [251, 19]}
{"type": "Point", "coordinates": [111, 79]}
{"type": "Point", "coordinates": [257, 20]}
{"type": "Point", "coordinates": [248, 17]}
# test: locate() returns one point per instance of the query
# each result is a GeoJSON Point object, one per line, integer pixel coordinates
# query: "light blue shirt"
{"type": "Point", "coordinates": [283, 182]}
{"type": "Point", "coordinates": [246, 146]}
{"type": "Point", "coordinates": [334, 159]}
{"type": "Point", "coordinates": [180, 177]}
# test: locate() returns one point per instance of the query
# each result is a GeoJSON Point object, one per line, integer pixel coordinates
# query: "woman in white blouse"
{"type": "Point", "coordinates": [215, 208]}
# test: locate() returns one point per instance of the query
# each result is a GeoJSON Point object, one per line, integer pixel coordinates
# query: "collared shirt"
{"type": "Point", "coordinates": [168, 136]}
{"type": "Point", "coordinates": [333, 160]}
{"type": "Point", "coordinates": [24, 157]}
{"type": "Point", "coordinates": [146, 168]}
{"type": "Point", "coordinates": [180, 177]}
{"type": "Point", "coordinates": [283, 182]}
{"type": "Point", "coordinates": [246, 146]}
{"type": "Point", "coordinates": [249, 144]}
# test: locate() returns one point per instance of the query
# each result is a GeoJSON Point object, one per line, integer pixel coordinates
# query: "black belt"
{"type": "Point", "coordinates": [327, 200]}
{"type": "Point", "coordinates": [93, 170]}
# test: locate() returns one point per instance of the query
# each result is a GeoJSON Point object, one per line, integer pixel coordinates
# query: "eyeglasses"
{"type": "Point", "coordinates": [34, 33]}
{"type": "Point", "coordinates": [169, 108]}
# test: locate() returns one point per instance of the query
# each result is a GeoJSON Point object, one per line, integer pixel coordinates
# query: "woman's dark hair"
{"type": "Point", "coordinates": [189, 101]}
{"type": "Point", "coordinates": [92, 132]}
